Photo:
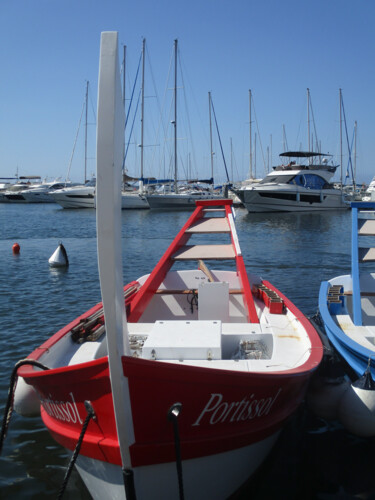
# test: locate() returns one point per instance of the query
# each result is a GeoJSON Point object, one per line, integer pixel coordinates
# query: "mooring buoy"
{"type": "Point", "coordinates": [59, 258]}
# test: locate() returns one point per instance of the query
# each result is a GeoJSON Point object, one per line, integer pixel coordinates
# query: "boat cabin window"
{"type": "Point", "coordinates": [310, 181]}
{"type": "Point", "coordinates": [278, 179]}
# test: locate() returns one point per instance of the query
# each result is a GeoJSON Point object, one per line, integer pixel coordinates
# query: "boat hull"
{"type": "Point", "coordinates": [287, 200]}
{"type": "Point", "coordinates": [133, 201]}
{"type": "Point", "coordinates": [355, 354]}
{"type": "Point", "coordinates": [84, 198]}
{"type": "Point", "coordinates": [104, 480]}
{"type": "Point", "coordinates": [176, 201]}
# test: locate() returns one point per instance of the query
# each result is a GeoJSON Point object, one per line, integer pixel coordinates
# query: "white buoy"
{"type": "Point", "coordinates": [59, 258]}
{"type": "Point", "coordinates": [26, 401]}
{"type": "Point", "coordinates": [357, 407]}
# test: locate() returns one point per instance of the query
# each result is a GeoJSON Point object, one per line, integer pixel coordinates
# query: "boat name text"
{"type": "Point", "coordinates": [218, 411]}
{"type": "Point", "coordinates": [65, 411]}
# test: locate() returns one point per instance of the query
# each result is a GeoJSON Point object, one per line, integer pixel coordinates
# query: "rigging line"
{"type": "Point", "coordinates": [92, 104]}
{"type": "Point", "coordinates": [159, 107]}
{"type": "Point", "coordinates": [313, 119]}
{"type": "Point", "coordinates": [204, 128]}
{"type": "Point", "coordinates": [131, 130]}
{"type": "Point", "coordinates": [221, 146]}
{"type": "Point", "coordinates": [347, 141]}
{"type": "Point", "coordinates": [187, 113]}
{"type": "Point", "coordinates": [161, 125]}
{"type": "Point", "coordinates": [75, 140]}
{"type": "Point", "coordinates": [260, 140]}
{"type": "Point", "coordinates": [131, 97]}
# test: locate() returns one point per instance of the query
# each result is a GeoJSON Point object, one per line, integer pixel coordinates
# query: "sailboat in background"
{"type": "Point", "coordinates": [78, 196]}
{"type": "Point", "coordinates": [183, 196]}
{"type": "Point", "coordinates": [130, 198]}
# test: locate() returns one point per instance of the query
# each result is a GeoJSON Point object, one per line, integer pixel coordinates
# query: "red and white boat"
{"type": "Point", "coordinates": [191, 372]}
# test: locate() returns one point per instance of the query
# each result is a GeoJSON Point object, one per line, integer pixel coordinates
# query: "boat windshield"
{"type": "Point", "coordinates": [310, 181]}
{"type": "Point", "coordinates": [277, 179]}
{"type": "Point", "coordinates": [306, 180]}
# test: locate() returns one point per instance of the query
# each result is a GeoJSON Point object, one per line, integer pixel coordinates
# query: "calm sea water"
{"type": "Point", "coordinates": [312, 459]}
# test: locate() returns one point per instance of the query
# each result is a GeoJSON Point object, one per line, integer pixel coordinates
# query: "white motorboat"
{"type": "Point", "coordinates": [178, 200]}
{"type": "Point", "coordinates": [13, 192]}
{"type": "Point", "coordinates": [75, 196]}
{"type": "Point", "coordinates": [295, 187]}
{"type": "Point", "coordinates": [42, 193]}
{"type": "Point", "coordinates": [369, 194]}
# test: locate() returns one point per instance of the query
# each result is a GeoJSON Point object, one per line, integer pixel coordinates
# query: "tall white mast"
{"type": "Point", "coordinates": [86, 111]}
{"type": "Point", "coordinates": [175, 116]}
{"type": "Point", "coordinates": [251, 146]}
{"type": "Point", "coordinates": [211, 150]}
{"type": "Point", "coordinates": [142, 103]}
{"type": "Point", "coordinates": [308, 123]}
{"type": "Point", "coordinates": [340, 99]}
{"type": "Point", "coordinates": [355, 150]}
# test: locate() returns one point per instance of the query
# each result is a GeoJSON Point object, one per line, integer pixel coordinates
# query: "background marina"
{"type": "Point", "coordinates": [313, 458]}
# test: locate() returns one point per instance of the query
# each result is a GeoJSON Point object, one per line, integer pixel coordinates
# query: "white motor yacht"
{"type": "Point", "coordinates": [42, 193]}
{"type": "Point", "coordinates": [295, 187]}
{"type": "Point", "coordinates": [76, 196]}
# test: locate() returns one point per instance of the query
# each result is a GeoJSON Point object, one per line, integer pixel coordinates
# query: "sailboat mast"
{"type": "Point", "coordinates": [142, 102]}
{"type": "Point", "coordinates": [86, 105]}
{"type": "Point", "coordinates": [211, 151]}
{"type": "Point", "coordinates": [124, 105]}
{"type": "Point", "coordinates": [175, 116]}
{"type": "Point", "coordinates": [308, 122]}
{"type": "Point", "coordinates": [341, 159]}
{"type": "Point", "coordinates": [355, 149]}
{"type": "Point", "coordinates": [231, 159]}
{"type": "Point", "coordinates": [251, 147]}
{"type": "Point", "coordinates": [123, 80]}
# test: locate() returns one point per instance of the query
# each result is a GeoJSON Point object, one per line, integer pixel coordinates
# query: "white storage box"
{"type": "Point", "coordinates": [179, 340]}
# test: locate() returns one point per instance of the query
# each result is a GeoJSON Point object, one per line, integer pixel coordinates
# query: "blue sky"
{"type": "Point", "coordinates": [278, 49]}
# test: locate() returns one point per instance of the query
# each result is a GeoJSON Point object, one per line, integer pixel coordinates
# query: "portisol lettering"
{"type": "Point", "coordinates": [66, 411]}
{"type": "Point", "coordinates": [218, 411]}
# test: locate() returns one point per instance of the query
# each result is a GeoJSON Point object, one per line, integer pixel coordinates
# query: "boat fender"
{"type": "Point", "coordinates": [26, 401]}
{"type": "Point", "coordinates": [324, 395]}
{"type": "Point", "coordinates": [10, 401]}
{"type": "Point", "coordinates": [59, 258]}
{"type": "Point", "coordinates": [357, 407]}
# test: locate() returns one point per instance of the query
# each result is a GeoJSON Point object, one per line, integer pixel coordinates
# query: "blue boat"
{"type": "Point", "coordinates": [347, 315]}
{"type": "Point", "coordinates": [347, 303]}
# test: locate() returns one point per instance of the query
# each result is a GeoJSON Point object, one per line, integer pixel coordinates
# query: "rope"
{"type": "Point", "coordinates": [12, 387]}
{"type": "Point", "coordinates": [90, 415]}
{"type": "Point", "coordinates": [194, 301]}
{"type": "Point", "coordinates": [173, 414]}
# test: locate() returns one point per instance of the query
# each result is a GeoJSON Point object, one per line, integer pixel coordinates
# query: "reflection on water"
{"type": "Point", "coordinates": [293, 251]}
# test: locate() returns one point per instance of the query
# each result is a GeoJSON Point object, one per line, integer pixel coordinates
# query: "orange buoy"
{"type": "Point", "coordinates": [16, 248]}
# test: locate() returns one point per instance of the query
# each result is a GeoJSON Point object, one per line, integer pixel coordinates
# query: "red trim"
{"type": "Point", "coordinates": [39, 351]}
{"type": "Point", "coordinates": [213, 203]}
{"type": "Point", "coordinates": [154, 386]}
{"type": "Point", "coordinates": [152, 283]}
{"type": "Point", "coordinates": [316, 344]}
